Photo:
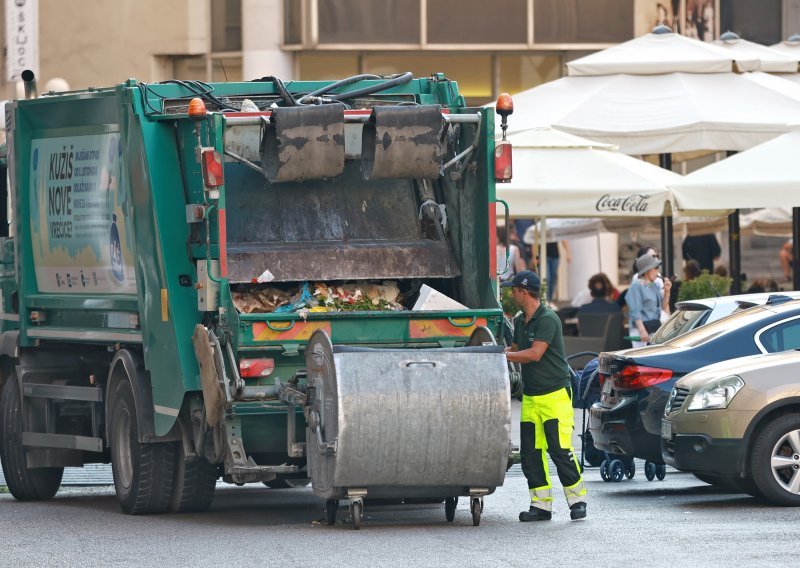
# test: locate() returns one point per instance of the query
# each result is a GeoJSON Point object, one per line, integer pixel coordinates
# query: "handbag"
{"type": "Point", "coordinates": [652, 325]}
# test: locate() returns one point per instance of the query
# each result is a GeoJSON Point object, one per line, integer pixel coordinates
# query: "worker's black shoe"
{"type": "Point", "coordinates": [535, 514]}
{"type": "Point", "coordinates": [577, 511]}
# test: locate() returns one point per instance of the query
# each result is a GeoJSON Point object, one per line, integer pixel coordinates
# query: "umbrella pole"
{"type": "Point", "coordinates": [735, 246]}
{"type": "Point", "coordinates": [734, 243]}
{"type": "Point", "coordinates": [665, 161]}
{"type": "Point", "coordinates": [543, 259]}
{"type": "Point", "coordinates": [796, 248]}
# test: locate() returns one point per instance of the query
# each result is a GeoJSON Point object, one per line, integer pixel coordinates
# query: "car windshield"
{"type": "Point", "coordinates": [679, 323]}
{"type": "Point", "coordinates": [721, 326]}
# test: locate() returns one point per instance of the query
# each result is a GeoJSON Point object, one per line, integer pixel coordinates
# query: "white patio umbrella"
{"type": "Point", "coordinates": [656, 114]}
{"type": "Point", "coordinates": [662, 52]}
{"type": "Point", "coordinates": [769, 222]}
{"type": "Point", "coordinates": [557, 175]}
{"type": "Point", "coordinates": [771, 60]}
{"type": "Point", "coordinates": [790, 46]}
{"type": "Point", "coordinates": [767, 175]}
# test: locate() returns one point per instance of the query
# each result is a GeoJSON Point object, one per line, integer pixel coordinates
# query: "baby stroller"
{"type": "Point", "coordinates": [613, 467]}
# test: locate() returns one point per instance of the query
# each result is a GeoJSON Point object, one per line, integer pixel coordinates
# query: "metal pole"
{"type": "Point", "coordinates": [734, 244]}
{"type": "Point", "coordinates": [796, 248]}
{"type": "Point", "coordinates": [667, 253]}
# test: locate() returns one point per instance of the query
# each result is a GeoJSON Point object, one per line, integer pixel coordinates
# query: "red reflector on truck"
{"type": "Point", "coordinates": [213, 175]}
{"type": "Point", "coordinates": [502, 161]}
{"type": "Point", "coordinates": [634, 377]}
{"type": "Point", "coordinates": [251, 368]}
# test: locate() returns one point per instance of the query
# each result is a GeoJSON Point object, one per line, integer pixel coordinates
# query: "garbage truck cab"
{"type": "Point", "coordinates": [258, 282]}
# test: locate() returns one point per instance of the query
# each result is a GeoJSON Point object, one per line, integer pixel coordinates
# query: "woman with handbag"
{"type": "Point", "coordinates": [646, 300]}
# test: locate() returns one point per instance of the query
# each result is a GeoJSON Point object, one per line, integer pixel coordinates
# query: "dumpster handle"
{"type": "Point", "coordinates": [454, 324]}
{"type": "Point", "coordinates": [421, 364]}
{"type": "Point", "coordinates": [291, 325]}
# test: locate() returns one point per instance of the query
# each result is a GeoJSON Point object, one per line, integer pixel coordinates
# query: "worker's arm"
{"type": "Point", "coordinates": [532, 354]}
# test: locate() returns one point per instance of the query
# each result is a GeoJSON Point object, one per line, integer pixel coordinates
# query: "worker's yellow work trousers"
{"type": "Point", "coordinates": [546, 426]}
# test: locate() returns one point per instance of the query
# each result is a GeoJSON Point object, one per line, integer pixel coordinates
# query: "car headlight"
{"type": "Point", "coordinates": [716, 394]}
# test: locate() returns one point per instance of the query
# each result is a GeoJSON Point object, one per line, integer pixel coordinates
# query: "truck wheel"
{"type": "Point", "coordinates": [195, 482]}
{"type": "Point", "coordinates": [775, 460]}
{"type": "Point", "coordinates": [143, 473]}
{"type": "Point", "coordinates": [23, 483]}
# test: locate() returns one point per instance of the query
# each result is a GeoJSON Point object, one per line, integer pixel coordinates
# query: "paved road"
{"type": "Point", "coordinates": [673, 522]}
{"type": "Point", "coordinates": [678, 521]}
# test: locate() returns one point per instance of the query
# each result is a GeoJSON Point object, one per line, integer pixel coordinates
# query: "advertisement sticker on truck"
{"type": "Point", "coordinates": [80, 243]}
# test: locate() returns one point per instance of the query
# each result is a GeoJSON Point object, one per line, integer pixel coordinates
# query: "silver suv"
{"type": "Point", "coordinates": [739, 421]}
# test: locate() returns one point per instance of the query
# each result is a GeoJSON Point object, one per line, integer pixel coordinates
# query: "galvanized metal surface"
{"type": "Point", "coordinates": [431, 422]}
{"type": "Point", "coordinates": [403, 142]}
{"type": "Point", "coordinates": [302, 143]}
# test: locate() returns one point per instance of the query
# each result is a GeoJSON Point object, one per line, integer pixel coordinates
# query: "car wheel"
{"type": "Point", "coordinates": [745, 485]}
{"type": "Point", "coordinates": [775, 460]}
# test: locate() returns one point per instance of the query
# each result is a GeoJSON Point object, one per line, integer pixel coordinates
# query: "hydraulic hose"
{"type": "Point", "coordinates": [401, 80]}
{"type": "Point", "coordinates": [337, 84]}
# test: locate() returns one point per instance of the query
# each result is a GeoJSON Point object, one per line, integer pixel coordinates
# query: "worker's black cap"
{"type": "Point", "coordinates": [526, 279]}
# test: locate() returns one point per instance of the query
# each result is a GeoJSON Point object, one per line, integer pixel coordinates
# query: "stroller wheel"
{"type": "Point", "coordinates": [649, 470]}
{"type": "Point", "coordinates": [604, 471]}
{"type": "Point", "coordinates": [630, 470]}
{"type": "Point", "coordinates": [616, 470]}
{"type": "Point", "coordinates": [661, 471]}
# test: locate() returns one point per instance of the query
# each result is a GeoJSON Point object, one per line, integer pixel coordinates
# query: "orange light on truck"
{"type": "Point", "coordinates": [252, 368]}
{"type": "Point", "coordinates": [213, 175]}
{"type": "Point", "coordinates": [197, 108]}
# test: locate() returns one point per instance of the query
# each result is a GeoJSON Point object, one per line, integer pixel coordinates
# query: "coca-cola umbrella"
{"type": "Point", "coordinates": [560, 175]}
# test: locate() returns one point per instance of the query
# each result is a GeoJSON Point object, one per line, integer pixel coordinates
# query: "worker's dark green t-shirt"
{"type": "Point", "coordinates": [551, 372]}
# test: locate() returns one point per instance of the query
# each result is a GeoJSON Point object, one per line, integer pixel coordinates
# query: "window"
{"type": "Point", "coordinates": [368, 21]}
{"type": "Point", "coordinates": [782, 337]}
{"type": "Point", "coordinates": [292, 22]}
{"type": "Point", "coordinates": [582, 21]}
{"type": "Point", "coordinates": [474, 22]}
{"type": "Point", "coordinates": [521, 72]}
{"type": "Point", "coordinates": [472, 72]}
{"type": "Point", "coordinates": [226, 25]}
{"type": "Point", "coordinates": [755, 21]}
{"type": "Point", "coordinates": [326, 66]}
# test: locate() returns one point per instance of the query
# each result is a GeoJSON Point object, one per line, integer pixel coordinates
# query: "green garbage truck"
{"type": "Point", "coordinates": [258, 282]}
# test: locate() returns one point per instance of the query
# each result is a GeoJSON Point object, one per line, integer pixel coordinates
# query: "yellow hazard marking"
{"type": "Point", "coordinates": [164, 305]}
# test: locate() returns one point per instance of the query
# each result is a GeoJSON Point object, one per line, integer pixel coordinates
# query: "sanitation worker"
{"type": "Point", "coordinates": [547, 417]}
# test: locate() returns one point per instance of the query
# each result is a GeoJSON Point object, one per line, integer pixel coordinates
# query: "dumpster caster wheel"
{"type": "Point", "coordinates": [630, 470]}
{"type": "Point", "coordinates": [661, 471]}
{"type": "Point", "coordinates": [331, 506]}
{"type": "Point", "coordinates": [356, 509]}
{"type": "Point", "coordinates": [649, 470]}
{"type": "Point", "coordinates": [450, 505]}
{"type": "Point", "coordinates": [616, 470]}
{"type": "Point", "coordinates": [476, 507]}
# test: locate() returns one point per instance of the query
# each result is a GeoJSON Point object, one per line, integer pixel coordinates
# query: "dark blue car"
{"type": "Point", "coordinates": [636, 382]}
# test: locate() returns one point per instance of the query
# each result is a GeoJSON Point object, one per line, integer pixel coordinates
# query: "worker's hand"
{"type": "Point", "coordinates": [644, 336]}
{"type": "Point", "coordinates": [667, 285]}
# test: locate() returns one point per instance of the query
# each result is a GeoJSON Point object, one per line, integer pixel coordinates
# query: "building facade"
{"type": "Point", "coordinates": [505, 45]}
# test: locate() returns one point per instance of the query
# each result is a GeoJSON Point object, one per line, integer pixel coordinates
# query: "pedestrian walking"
{"type": "Point", "coordinates": [547, 418]}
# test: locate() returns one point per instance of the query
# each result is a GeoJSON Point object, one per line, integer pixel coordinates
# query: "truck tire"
{"type": "Point", "coordinates": [195, 481]}
{"type": "Point", "coordinates": [143, 473]}
{"type": "Point", "coordinates": [775, 460]}
{"type": "Point", "coordinates": [24, 484]}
